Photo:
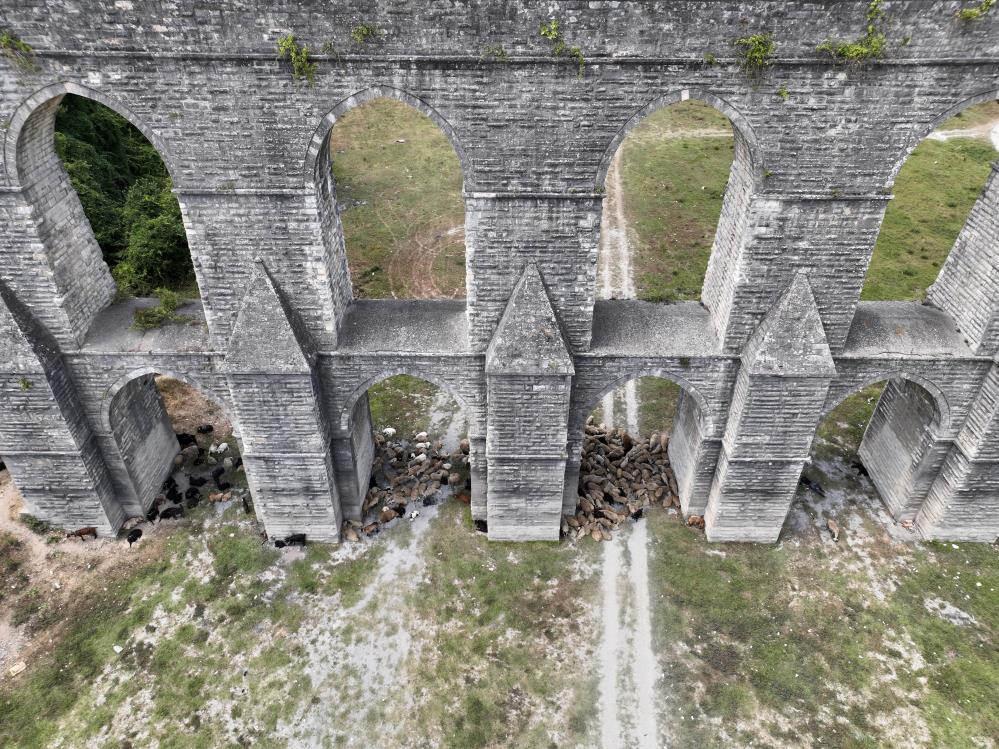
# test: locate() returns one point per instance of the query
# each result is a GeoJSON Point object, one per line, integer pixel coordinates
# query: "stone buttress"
{"type": "Point", "coordinates": [44, 436]}
{"type": "Point", "coordinates": [777, 405]}
{"type": "Point", "coordinates": [270, 370]}
{"type": "Point", "coordinates": [963, 502]}
{"type": "Point", "coordinates": [528, 376]}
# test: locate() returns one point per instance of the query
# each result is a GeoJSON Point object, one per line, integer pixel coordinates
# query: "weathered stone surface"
{"type": "Point", "coordinates": [247, 149]}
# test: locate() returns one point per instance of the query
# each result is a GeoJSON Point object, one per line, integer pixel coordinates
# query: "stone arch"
{"type": "Point", "coordinates": [55, 91]}
{"type": "Point", "coordinates": [704, 415]}
{"type": "Point", "coordinates": [936, 393]}
{"type": "Point", "coordinates": [78, 279]}
{"type": "Point", "coordinates": [905, 441]}
{"type": "Point", "coordinates": [320, 138]}
{"type": "Point", "coordinates": [351, 402]}
{"type": "Point", "coordinates": [134, 374]}
{"type": "Point", "coordinates": [918, 136]}
{"type": "Point", "coordinates": [745, 137]}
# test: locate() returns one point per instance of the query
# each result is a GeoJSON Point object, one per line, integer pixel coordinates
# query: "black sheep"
{"type": "Point", "coordinates": [295, 539]}
{"type": "Point", "coordinates": [172, 512]}
{"type": "Point", "coordinates": [133, 535]}
{"type": "Point", "coordinates": [186, 439]}
{"type": "Point", "coordinates": [217, 475]}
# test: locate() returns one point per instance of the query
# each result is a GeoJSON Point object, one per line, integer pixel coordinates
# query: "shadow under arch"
{"type": "Point", "coordinates": [706, 423]}
{"type": "Point", "coordinates": [54, 92]}
{"type": "Point", "coordinates": [122, 382]}
{"type": "Point", "coordinates": [745, 137]}
{"type": "Point", "coordinates": [321, 137]}
{"type": "Point", "coordinates": [989, 94]}
{"type": "Point", "coordinates": [347, 411]}
{"type": "Point", "coordinates": [942, 417]}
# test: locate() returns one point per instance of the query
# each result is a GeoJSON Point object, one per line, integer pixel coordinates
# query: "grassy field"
{"type": "Point", "coordinates": [674, 182]}
{"type": "Point", "coordinates": [934, 192]}
{"type": "Point", "coordinates": [431, 636]}
{"type": "Point", "coordinates": [399, 185]}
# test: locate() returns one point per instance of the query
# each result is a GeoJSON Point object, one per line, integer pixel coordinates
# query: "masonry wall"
{"type": "Point", "coordinates": [245, 145]}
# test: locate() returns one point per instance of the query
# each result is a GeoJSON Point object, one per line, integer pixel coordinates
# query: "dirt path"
{"type": "Point", "coordinates": [628, 667]}
{"type": "Point", "coordinates": [986, 131]}
{"type": "Point", "coordinates": [617, 278]}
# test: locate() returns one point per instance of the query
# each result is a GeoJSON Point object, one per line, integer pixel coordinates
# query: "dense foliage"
{"type": "Point", "coordinates": [125, 191]}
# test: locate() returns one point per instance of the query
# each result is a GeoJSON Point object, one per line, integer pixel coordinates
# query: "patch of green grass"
{"type": "Point", "coordinates": [314, 575]}
{"type": "Point", "coordinates": [844, 427]}
{"type": "Point", "coordinates": [976, 116]}
{"type": "Point", "coordinates": [934, 192]}
{"type": "Point", "coordinates": [785, 630]}
{"type": "Point", "coordinates": [403, 403]}
{"type": "Point", "coordinates": [673, 191]}
{"type": "Point", "coordinates": [13, 557]}
{"type": "Point", "coordinates": [503, 612]}
{"type": "Point", "coordinates": [399, 182]}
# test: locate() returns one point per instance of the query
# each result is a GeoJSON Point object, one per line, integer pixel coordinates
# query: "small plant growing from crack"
{"type": "Point", "coordinates": [17, 51]}
{"type": "Point", "coordinates": [783, 93]}
{"type": "Point", "coordinates": [977, 11]}
{"type": "Point", "coordinates": [25, 384]}
{"type": "Point", "coordinates": [553, 33]}
{"type": "Point", "coordinates": [298, 56]}
{"type": "Point", "coordinates": [871, 46]}
{"type": "Point", "coordinates": [495, 52]}
{"type": "Point", "coordinates": [756, 52]}
{"type": "Point", "coordinates": [710, 59]}
{"type": "Point", "coordinates": [364, 33]}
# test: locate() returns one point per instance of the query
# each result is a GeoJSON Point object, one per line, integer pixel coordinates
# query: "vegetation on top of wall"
{"type": "Point", "coordinates": [126, 194]}
{"type": "Point", "coordinates": [163, 313]}
{"type": "Point", "coordinates": [553, 34]}
{"type": "Point", "coordinates": [756, 52]}
{"type": "Point", "coordinates": [364, 32]}
{"type": "Point", "coordinates": [979, 10]}
{"type": "Point", "coordinates": [18, 52]}
{"type": "Point", "coordinates": [298, 56]}
{"type": "Point", "coordinates": [870, 46]}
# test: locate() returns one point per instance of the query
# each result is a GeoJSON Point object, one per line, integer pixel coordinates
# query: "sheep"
{"type": "Point", "coordinates": [186, 439]}
{"type": "Point", "coordinates": [293, 539]}
{"type": "Point", "coordinates": [172, 512]}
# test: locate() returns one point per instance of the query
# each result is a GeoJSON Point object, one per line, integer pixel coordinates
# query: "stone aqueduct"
{"type": "Point", "coordinates": [778, 340]}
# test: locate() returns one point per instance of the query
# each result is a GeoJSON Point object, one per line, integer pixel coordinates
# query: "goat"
{"type": "Point", "coordinates": [82, 533]}
{"type": "Point", "coordinates": [206, 429]}
{"type": "Point", "coordinates": [812, 486]}
{"type": "Point", "coordinates": [197, 481]}
{"type": "Point", "coordinates": [295, 539]}
{"type": "Point", "coordinates": [133, 535]}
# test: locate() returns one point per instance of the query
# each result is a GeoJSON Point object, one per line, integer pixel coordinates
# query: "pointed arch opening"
{"type": "Point", "coordinates": [884, 438]}
{"type": "Point", "coordinates": [407, 436]}
{"type": "Point", "coordinates": [647, 441]}
{"type": "Point", "coordinates": [677, 181]}
{"type": "Point", "coordinates": [389, 174]}
{"type": "Point", "coordinates": [176, 445]}
{"type": "Point", "coordinates": [938, 190]}
{"type": "Point", "coordinates": [99, 185]}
